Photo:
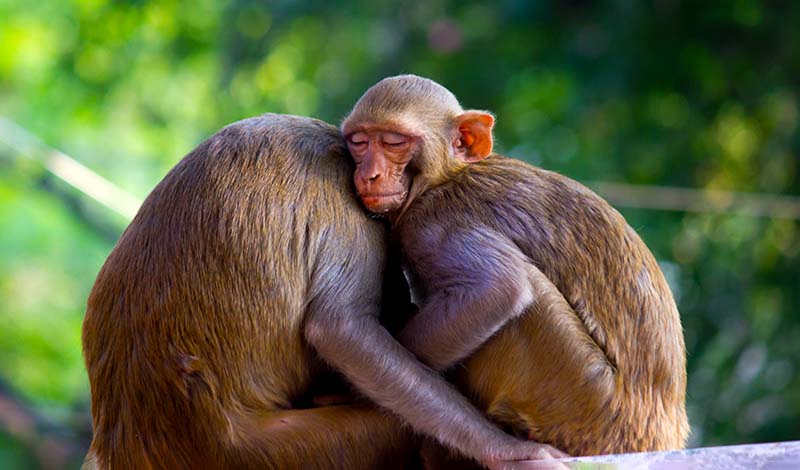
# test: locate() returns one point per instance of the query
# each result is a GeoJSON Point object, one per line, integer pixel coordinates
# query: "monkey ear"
{"type": "Point", "coordinates": [474, 141]}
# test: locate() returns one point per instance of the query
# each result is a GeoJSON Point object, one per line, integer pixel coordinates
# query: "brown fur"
{"type": "Point", "coordinates": [563, 324]}
{"type": "Point", "coordinates": [194, 336]}
{"type": "Point", "coordinates": [596, 364]}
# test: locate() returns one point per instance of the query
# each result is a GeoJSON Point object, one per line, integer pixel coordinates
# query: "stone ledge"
{"type": "Point", "coordinates": [771, 456]}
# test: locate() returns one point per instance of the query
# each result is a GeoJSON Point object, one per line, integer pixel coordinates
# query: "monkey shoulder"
{"type": "Point", "coordinates": [505, 191]}
{"type": "Point", "coordinates": [549, 216]}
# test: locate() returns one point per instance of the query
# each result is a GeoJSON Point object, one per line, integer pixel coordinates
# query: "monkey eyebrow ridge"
{"type": "Point", "coordinates": [370, 126]}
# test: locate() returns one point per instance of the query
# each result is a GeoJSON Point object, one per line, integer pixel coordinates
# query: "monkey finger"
{"type": "Point", "coordinates": [528, 465]}
{"type": "Point", "coordinates": [547, 451]}
{"type": "Point", "coordinates": [554, 452]}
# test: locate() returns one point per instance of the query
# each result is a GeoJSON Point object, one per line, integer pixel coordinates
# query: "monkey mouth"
{"type": "Point", "coordinates": [383, 202]}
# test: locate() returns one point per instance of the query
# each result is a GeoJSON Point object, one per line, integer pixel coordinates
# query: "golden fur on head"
{"type": "Point", "coordinates": [414, 102]}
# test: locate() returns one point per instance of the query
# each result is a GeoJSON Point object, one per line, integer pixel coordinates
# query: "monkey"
{"type": "Point", "coordinates": [536, 297]}
{"type": "Point", "coordinates": [194, 331]}
{"type": "Point", "coordinates": [250, 273]}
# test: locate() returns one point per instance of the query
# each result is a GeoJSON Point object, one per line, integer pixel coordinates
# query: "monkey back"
{"type": "Point", "coordinates": [195, 319]}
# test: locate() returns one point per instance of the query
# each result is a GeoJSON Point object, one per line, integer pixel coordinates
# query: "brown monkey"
{"type": "Point", "coordinates": [249, 265]}
{"type": "Point", "coordinates": [194, 330]}
{"type": "Point", "coordinates": [564, 324]}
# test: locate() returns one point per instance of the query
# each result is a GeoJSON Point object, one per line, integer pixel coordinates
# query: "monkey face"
{"type": "Point", "coordinates": [406, 126]}
{"type": "Point", "coordinates": [381, 156]}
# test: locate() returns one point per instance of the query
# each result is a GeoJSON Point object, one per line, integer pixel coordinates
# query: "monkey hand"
{"type": "Point", "coordinates": [528, 455]}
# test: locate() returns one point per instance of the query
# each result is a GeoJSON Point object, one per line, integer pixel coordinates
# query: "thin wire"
{"type": "Point", "coordinates": [68, 169]}
{"type": "Point", "coordinates": [651, 197]}
{"type": "Point", "coordinates": [698, 200]}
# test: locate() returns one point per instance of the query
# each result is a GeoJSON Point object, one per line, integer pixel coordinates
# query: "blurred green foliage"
{"type": "Point", "coordinates": [665, 92]}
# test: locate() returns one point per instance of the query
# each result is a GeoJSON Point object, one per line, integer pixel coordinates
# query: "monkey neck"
{"type": "Point", "coordinates": [441, 170]}
{"type": "Point", "coordinates": [419, 185]}
{"type": "Point", "coordinates": [424, 182]}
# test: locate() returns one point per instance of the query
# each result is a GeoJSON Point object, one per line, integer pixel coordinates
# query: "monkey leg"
{"type": "Point", "coordinates": [543, 377]}
{"type": "Point", "coordinates": [347, 436]}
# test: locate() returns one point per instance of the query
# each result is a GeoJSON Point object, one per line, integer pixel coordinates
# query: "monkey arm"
{"type": "Point", "coordinates": [342, 324]}
{"type": "Point", "coordinates": [477, 281]}
{"type": "Point", "coordinates": [388, 374]}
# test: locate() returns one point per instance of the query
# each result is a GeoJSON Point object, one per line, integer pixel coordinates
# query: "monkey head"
{"type": "Point", "coordinates": [407, 133]}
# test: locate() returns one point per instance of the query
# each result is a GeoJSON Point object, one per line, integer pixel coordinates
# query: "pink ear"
{"type": "Point", "coordinates": [475, 140]}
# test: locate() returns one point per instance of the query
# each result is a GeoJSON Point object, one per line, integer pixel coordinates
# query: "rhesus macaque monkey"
{"type": "Point", "coordinates": [248, 270]}
{"type": "Point", "coordinates": [194, 336]}
{"type": "Point", "coordinates": [564, 326]}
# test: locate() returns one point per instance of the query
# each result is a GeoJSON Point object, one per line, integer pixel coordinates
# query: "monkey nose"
{"type": "Point", "coordinates": [373, 177]}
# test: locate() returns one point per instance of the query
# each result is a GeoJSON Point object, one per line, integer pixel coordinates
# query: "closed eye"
{"type": "Point", "coordinates": [358, 139]}
{"type": "Point", "coordinates": [395, 144]}
{"type": "Point", "coordinates": [394, 140]}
